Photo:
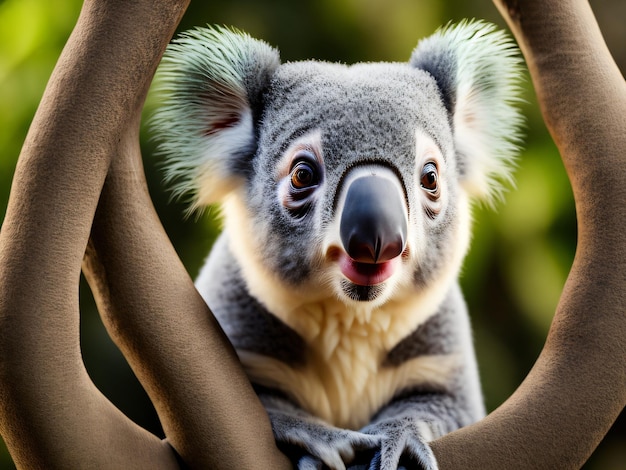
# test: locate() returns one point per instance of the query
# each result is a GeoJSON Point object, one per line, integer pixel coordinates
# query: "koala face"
{"type": "Point", "coordinates": [349, 187]}
{"type": "Point", "coordinates": [345, 181]}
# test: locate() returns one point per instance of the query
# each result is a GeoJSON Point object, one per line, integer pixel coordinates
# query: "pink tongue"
{"type": "Point", "coordinates": [366, 274]}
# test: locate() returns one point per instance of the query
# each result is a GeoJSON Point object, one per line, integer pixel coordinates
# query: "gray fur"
{"type": "Point", "coordinates": [235, 125]}
{"type": "Point", "coordinates": [243, 318]}
{"type": "Point", "coordinates": [378, 130]}
{"type": "Point", "coordinates": [440, 334]}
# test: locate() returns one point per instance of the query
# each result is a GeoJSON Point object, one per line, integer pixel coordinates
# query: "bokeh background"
{"type": "Point", "coordinates": [521, 251]}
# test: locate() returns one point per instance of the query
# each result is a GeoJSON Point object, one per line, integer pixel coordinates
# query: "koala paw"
{"type": "Point", "coordinates": [318, 444]}
{"type": "Point", "coordinates": [403, 442]}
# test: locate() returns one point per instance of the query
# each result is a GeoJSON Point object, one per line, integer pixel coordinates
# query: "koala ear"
{"type": "Point", "coordinates": [478, 70]}
{"type": "Point", "coordinates": [209, 84]}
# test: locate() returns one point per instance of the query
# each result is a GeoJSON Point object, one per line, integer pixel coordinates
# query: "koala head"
{"type": "Point", "coordinates": [346, 181]}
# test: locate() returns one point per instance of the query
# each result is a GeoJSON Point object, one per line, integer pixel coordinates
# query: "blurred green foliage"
{"type": "Point", "coordinates": [521, 252]}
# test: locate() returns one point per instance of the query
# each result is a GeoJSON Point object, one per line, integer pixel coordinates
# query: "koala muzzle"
{"type": "Point", "coordinates": [373, 225]}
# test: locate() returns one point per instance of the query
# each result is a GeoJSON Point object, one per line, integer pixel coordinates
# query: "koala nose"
{"type": "Point", "coordinates": [373, 225]}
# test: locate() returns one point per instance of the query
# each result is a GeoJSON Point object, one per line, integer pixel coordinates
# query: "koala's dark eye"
{"type": "Point", "coordinates": [430, 178]}
{"type": "Point", "coordinates": [303, 175]}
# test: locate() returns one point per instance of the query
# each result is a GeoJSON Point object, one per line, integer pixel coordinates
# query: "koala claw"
{"type": "Point", "coordinates": [400, 445]}
{"type": "Point", "coordinates": [309, 462]}
{"type": "Point", "coordinates": [320, 445]}
{"type": "Point", "coordinates": [415, 454]}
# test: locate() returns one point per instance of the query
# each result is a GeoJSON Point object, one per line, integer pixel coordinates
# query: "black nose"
{"type": "Point", "coordinates": [373, 226]}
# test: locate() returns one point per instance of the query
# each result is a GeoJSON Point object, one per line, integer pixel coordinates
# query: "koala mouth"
{"type": "Point", "coordinates": [367, 274]}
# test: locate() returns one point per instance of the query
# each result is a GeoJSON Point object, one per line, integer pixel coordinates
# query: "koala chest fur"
{"type": "Point", "coordinates": [346, 195]}
{"type": "Point", "coordinates": [344, 378]}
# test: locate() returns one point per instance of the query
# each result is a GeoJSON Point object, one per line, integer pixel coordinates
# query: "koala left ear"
{"type": "Point", "coordinates": [210, 84]}
{"type": "Point", "coordinates": [478, 70]}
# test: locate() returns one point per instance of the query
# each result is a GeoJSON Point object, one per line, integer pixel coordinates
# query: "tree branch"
{"type": "Point", "coordinates": [577, 387]}
{"type": "Point", "coordinates": [209, 411]}
{"type": "Point", "coordinates": [51, 415]}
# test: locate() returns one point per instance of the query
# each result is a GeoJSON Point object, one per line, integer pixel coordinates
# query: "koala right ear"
{"type": "Point", "coordinates": [478, 70]}
{"type": "Point", "coordinates": [209, 82]}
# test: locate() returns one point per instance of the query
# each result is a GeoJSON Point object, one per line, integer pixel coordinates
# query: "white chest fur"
{"type": "Point", "coordinates": [344, 380]}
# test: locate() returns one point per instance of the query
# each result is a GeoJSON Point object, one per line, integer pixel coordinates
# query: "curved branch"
{"type": "Point", "coordinates": [577, 387]}
{"type": "Point", "coordinates": [209, 411]}
{"type": "Point", "coordinates": [51, 415]}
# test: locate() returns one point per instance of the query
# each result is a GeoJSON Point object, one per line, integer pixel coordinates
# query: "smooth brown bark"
{"type": "Point", "coordinates": [577, 387]}
{"type": "Point", "coordinates": [51, 414]}
{"type": "Point", "coordinates": [209, 411]}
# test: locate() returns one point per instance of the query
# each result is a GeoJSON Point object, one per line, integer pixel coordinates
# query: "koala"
{"type": "Point", "coordinates": [346, 196]}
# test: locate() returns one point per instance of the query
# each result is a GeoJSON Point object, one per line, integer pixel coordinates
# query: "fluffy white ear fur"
{"type": "Point", "coordinates": [207, 82]}
{"type": "Point", "coordinates": [478, 69]}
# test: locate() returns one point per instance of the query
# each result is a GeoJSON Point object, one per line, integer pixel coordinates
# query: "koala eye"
{"type": "Point", "coordinates": [303, 175]}
{"type": "Point", "coordinates": [430, 179]}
